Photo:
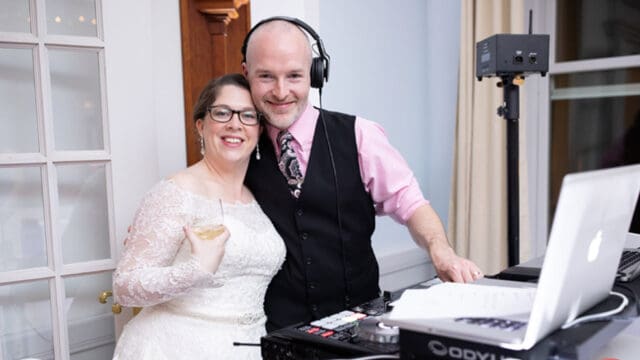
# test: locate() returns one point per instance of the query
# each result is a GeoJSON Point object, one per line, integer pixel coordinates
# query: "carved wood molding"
{"type": "Point", "coordinates": [220, 11]}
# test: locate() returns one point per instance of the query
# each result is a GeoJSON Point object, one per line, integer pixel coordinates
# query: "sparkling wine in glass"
{"type": "Point", "coordinates": [208, 229]}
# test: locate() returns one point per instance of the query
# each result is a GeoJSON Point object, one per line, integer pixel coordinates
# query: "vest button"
{"type": "Point", "coordinates": [304, 236]}
{"type": "Point", "coordinates": [309, 261]}
{"type": "Point", "coordinates": [299, 212]}
{"type": "Point", "coordinates": [312, 286]}
{"type": "Point", "coordinates": [314, 308]}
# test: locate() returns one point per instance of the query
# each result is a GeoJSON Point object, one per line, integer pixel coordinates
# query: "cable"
{"type": "Point", "coordinates": [601, 315]}
{"type": "Point", "coordinates": [335, 179]}
{"type": "Point", "coordinates": [237, 343]}
{"type": "Point", "coordinates": [630, 289]}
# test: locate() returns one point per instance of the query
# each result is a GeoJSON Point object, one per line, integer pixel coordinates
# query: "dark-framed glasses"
{"type": "Point", "coordinates": [223, 114]}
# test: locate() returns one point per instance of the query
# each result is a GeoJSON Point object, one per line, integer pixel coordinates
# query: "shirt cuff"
{"type": "Point", "coordinates": [401, 206]}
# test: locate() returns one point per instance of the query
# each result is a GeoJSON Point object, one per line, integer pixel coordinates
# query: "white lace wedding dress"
{"type": "Point", "coordinates": [190, 313]}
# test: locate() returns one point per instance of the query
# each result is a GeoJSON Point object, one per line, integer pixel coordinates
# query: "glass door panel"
{"type": "Point", "coordinates": [25, 315]}
{"type": "Point", "coordinates": [75, 91]}
{"type": "Point", "coordinates": [71, 17]}
{"type": "Point", "coordinates": [83, 212]}
{"type": "Point", "coordinates": [14, 16]}
{"type": "Point", "coordinates": [89, 323]}
{"type": "Point", "coordinates": [18, 118]}
{"type": "Point", "coordinates": [22, 223]}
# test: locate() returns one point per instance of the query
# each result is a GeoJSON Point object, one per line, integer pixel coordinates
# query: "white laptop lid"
{"type": "Point", "coordinates": [587, 237]}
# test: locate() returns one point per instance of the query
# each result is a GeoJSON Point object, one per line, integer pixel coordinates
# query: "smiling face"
{"type": "Point", "coordinates": [231, 142]}
{"type": "Point", "coordinates": [278, 68]}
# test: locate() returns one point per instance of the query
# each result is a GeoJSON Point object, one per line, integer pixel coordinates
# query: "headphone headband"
{"type": "Point", "coordinates": [319, 65]}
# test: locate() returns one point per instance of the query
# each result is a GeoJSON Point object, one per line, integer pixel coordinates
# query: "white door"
{"type": "Point", "coordinates": [57, 232]}
{"type": "Point", "coordinates": [71, 173]}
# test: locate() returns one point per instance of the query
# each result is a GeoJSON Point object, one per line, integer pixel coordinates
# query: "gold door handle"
{"type": "Point", "coordinates": [115, 307]}
{"type": "Point", "coordinates": [104, 295]}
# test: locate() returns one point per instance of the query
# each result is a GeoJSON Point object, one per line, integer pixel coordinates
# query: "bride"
{"type": "Point", "coordinates": [200, 296]}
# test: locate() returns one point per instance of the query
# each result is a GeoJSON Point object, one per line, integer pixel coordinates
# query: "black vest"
{"type": "Point", "coordinates": [326, 270]}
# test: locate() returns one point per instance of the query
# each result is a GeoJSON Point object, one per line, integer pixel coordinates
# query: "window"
{"type": "Point", "coordinates": [591, 99]}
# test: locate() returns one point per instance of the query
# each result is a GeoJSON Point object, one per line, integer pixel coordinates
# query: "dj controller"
{"type": "Point", "coordinates": [357, 331]}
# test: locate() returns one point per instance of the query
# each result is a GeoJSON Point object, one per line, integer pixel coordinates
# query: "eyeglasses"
{"type": "Point", "coordinates": [223, 114]}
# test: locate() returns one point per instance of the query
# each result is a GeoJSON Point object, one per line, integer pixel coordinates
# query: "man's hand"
{"type": "Point", "coordinates": [451, 267]}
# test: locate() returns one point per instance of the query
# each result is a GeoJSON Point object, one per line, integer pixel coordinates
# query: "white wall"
{"type": "Point", "coordinates": [400, 71]}
{"type": "Point", "coordinates": [167, 86]}
{"type": "Point", "coordinates": [145, 101]}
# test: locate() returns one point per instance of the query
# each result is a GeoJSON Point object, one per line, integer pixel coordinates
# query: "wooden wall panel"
{"type": "Point", "coordinates": [212, 35]}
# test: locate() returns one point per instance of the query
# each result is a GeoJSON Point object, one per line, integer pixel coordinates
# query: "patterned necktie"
{"type": "Point", "coordinates": [288, 163]}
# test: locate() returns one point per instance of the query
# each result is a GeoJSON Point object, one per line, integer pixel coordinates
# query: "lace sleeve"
{"type": "Point", "coordinates": [146, 274]}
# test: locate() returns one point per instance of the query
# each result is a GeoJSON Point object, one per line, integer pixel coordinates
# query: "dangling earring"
{"type": "Point", "coordinates": [201, 146]}
{"type": "Point", "coordinates": [258, 151]}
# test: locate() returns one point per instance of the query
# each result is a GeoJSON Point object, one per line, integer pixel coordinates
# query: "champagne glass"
{"type": "Point", "coordinates": [209, 228]}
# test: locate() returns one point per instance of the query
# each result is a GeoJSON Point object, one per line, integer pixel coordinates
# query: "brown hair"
{"type": "Point", "coordinates": [212, 89]}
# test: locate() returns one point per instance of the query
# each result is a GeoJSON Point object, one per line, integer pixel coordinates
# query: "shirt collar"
{"type": "Point", "coordinates": [302, 129]}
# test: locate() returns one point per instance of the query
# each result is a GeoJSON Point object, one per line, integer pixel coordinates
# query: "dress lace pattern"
{"type": "Point", "coordinates": [190, 313]}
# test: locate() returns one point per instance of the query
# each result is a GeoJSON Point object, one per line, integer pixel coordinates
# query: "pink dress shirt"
{"type": "Point", "coordinates": [385, 174]}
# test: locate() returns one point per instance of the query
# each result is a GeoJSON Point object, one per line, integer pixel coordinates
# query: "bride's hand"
{"type": "Point", "coordinates": [209, 253]}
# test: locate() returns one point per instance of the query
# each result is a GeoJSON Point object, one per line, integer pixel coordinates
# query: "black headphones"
{"type": "Point", "coordinates": [319, 65]}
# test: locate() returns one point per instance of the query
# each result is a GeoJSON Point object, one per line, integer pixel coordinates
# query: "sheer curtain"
{"type": "Point", "coordinates": [478, 206]}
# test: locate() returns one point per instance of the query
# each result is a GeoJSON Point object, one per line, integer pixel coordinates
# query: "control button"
{"type": "Point", "coordinates": [313, 330]}
{"type": "Point", "coordinates": [299, 212]}
{"type": "Point", "coordinates": [304, 236]}
{"type": "Point", "coordinates": [372, 312]}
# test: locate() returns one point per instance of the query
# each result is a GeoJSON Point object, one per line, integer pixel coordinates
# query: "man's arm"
{"type": "Point", "coordinates": [395, 191]}
{"type": "Point", "coordinates": [427, 231]}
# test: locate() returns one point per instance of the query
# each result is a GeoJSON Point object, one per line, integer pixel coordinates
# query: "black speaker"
{"type": "Point", "coordinates": [319, 64]}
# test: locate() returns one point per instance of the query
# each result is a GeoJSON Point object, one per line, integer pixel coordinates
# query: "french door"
{"type": "Point", "coordinates": [56, 210]}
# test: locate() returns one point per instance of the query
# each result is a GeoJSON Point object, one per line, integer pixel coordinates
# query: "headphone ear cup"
{"type": "Point", "coordinates": [317, 73]}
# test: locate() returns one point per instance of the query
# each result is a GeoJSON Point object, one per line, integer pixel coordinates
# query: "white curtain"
{"type": "Point", "coordinates": [478, 207]}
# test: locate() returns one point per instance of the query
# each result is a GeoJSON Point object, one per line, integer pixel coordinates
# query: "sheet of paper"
{"type": "Point", "coordinates": [451, 300]}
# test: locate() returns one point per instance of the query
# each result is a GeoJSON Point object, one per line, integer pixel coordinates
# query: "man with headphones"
{"type": "Point", "coordinates": [321, 177]}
